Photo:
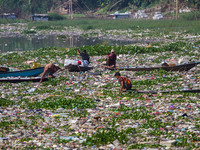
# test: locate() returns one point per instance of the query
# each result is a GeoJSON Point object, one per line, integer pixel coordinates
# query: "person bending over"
{"type": "Point", "coordinates": [49, 70]}
{"type": "Point", "coordinates": [124, 82]}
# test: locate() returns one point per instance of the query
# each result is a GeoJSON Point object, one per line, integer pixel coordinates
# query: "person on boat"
{"type": "Point", "coordinates": [124, 82]}
{"type": "Point", "coordinates": [49, 70]}
{"type": "Point", "coordinates": [85, 57]}
{"type": "Point", "coordinates": [111, 60]}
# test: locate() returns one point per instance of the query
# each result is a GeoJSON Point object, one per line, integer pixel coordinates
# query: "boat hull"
{"type": "Point", "coordinates": [26, 79]}
{"type": "Point", "coordinates": [170, 91]}
{"type": "Point", "coordinates": [182, 67]}
{"type": "Point", "coordinates": [75, 68]}
{"type": "Point", "coordinates": [23, 73]}
{"type": "Point", "coordinates": [4, 69]}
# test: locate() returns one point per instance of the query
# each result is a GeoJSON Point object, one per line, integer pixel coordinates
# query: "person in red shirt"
{"type": "Point", "coordinates": [111, 60]}
{"type": "Point", "coordinates": [124, 82]}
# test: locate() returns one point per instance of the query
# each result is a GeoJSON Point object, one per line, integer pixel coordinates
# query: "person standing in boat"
{"type": "Point", "coordinates": [49, 70]}
{"type": "Point", "coordinates": [124, 82]}
{"type": "Point", "coordinates": [85, 57]}
{"type": "Point", "coordinates": [111, 60]}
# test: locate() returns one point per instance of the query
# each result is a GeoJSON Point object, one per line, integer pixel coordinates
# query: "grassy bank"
{"type": "Point", "coordinates": [157, 25]}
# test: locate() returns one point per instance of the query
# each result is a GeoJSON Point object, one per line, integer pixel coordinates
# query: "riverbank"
{"type": "Point", "coordinates": [143, 31]}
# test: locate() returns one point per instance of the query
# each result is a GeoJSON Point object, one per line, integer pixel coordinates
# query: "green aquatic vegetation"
{"type": "Point", "coordinates": [106, 136]}
{"type": "Point", "coordinates": [7, 125]}
{"type": "Point", "coordinates": [55, 81]}
{"type": "Point", "coordinates": [158, 73]}
{"type": "Point", "coordinates": [48, 130]}
{"type": "Point", "coordinates": [43, 27]}
{"type": "Point", "coordinates": [79, 113]}
{"type": "Point", "coordinates": [104, 49]}
{"type": "Point", "coordinates": [135, 115]}
{"type": "Point", "coordinates": [5, 102]}
{"type": "Point", "coordinates": [108, 92]}
{"type": "Point", "coordinates": [155, 81]}
{"type": "Point", "coordinates": [155, 124]}
{"type": "Point", "coordinates": [182, 141]}
{"type": "Point", "coordinates": [25, 139]}
{"type": "Point", "coordinates": [178, 100]}
{"type": "Point", "coordinates": [12, 58]}
{"type": "Point", "coordinates": [142, 146]}
{"type": "Point", "coordinates": [157, 132]}
{"type": "Point", "coordinates": [28, 32]}
{"type": "Point", "coordinates": [61, 102]}
{"type": "Point", "coordinates": [36, 117]}
{"type": "Point", "coordinates": [34, 147]}
{"type": "Point", "coordinates": [59, 141]}
{"type": "Point", "coordinates": [61, 36]}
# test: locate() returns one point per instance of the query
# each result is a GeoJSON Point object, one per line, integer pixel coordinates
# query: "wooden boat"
{"type": "Point", "coordinates": [4, 69]}
{"type": "Point", "coordinates": [22, 79]}
{"type": "Point", "coordinates": [76, 68]}
{"type": "Point", "coordinates": [182, 67]}
{"type": "Point", "coordinates": [23, 73]}
{"type": "Point", "coordinates": [170, 91]}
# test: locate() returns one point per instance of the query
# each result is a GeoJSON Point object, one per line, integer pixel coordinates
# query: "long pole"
{"type": "Point", "coordinates": [176, 9]}
{"type": "Point", "coordinates": [71, 10]}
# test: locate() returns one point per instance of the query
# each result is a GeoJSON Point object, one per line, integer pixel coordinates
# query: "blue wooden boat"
{"type": "Point", "coordinates": [22, 79]}
{"type": "Point", "coordinates": [23, 73]}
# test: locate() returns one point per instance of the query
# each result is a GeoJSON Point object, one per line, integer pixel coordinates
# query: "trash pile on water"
{"type": "Point", "coordinates": [85, 110]}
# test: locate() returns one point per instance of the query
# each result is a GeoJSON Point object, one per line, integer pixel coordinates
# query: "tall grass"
{"type": "Point", "coordinates": [7, 21]}
{"type": "Point", "coordinates": [190, 26]}
{"type": "Point", "coordinates": [185, 23]}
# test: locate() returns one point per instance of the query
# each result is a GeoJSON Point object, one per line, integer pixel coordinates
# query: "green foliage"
{"type": "Point", "coordinates": [105, 136]}
{"type": "Point", "coordinates": [61, 102]}
{"type": "Point", "coordinates": [158, 27]}
{"type": "Point", "coordinates": [55, 16]}
{"type": "Point", "coordinates": [43, 27]}
{"type": "Point", "coordinates": [190, 16]}
{"type": "Point", "coordinates": [155, 124]}
{"type": "Point", "coordinates": [9, 124]}
{"type": "Point", "coordinates": [5, 102]}
{"type": "Point", "coordinates": [104, 49]}
{"type": "Point", "coordinates": [27, 7]}
{"type": "Point", "coordinates": [141, 146]}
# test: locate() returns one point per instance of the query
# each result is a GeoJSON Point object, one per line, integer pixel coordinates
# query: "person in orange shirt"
{"type": "Point", "coordinates": [124, 82]}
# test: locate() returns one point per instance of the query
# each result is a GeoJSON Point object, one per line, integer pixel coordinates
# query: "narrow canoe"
{"type": "Point", "coordinates": [23, 73]}
{"type": "Point", "coordinates": [4, 69]}
{"type": "Point", "coordinates": [23, 79]}
{"type": "Point", "coordinates": [182, 67]}
{"type": "Point", "coordinates": [76, 68]}
{"type": "Point", "coordinates": [170, 91]}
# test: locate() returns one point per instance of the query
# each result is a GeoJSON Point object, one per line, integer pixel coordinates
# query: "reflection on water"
{"type": "Point", "coordinates": [32, 43]}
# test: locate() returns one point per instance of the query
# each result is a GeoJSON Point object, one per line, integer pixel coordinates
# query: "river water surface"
{"type": "Point", "coordinates": [23, 43]}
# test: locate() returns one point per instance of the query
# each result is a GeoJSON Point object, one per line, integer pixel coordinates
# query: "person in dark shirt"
{"type": "Point", "coordinates": [85, 57]}
{"type": "Point", "coordinates": [111, 59]}
{"type": "Point", "coordinates": [124, 82]}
